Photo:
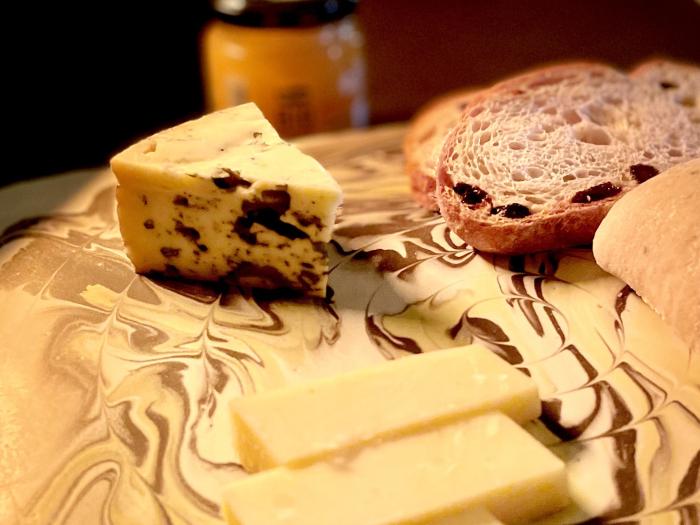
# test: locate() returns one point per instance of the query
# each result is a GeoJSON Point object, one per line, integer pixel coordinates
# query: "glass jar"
{"type": "Point", "coordinates": [301, 61]}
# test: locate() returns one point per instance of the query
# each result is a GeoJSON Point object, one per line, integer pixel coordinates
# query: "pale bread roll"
{"type": "Point", "coordinates": [651, 240]}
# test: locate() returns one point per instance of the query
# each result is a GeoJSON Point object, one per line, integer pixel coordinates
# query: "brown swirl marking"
{"type": "Point", "coordinates": [690, 483]}
{"type": "Point", "coordinates": [527, 306]}
{"type": "Point", "coordinates": [129, 433]}
{"type": "Point", "coordinates": [206, 293]}
{"type": "Point", "coordinates": [621, 299]}
{"type": "Point", "coordinates": [381, 337]}
{"type": "Point", "coordinates": [687, 513]}
{"type": "Point", "coordinates": [626, 476]}
{"type": "Point", "coordinates": [141, 370]}
{"type": "Point", "coordinates": [487, 330]}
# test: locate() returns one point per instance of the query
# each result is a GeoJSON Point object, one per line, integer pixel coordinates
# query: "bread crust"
{"type": "Point", "coordinates": [651, 240]}
{"type": "Point", "coordinates": [559, 230]}
{"type": "Point", "coordinates": [662, 65]}
{"type": "Point", "coordinates": [423, 187]}
{"type": "Point", "coordinates": [426, 129]}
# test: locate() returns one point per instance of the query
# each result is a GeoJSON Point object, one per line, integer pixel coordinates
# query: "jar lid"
{"type": "Point", "coordinates": [282, 13]}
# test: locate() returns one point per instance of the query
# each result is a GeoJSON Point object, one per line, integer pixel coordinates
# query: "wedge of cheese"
{"type": "Point", "coordinates": [486, 461]}
{"type": "Point", "coordinates": [223, 197]}
{"type": "Point", "coordinates": [301, 423]}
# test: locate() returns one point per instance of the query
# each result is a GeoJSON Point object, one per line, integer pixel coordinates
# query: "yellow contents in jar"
{"type": "Point", "coordinates": [304, 79]}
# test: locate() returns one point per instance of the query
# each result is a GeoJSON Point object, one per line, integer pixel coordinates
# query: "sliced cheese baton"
{"type": "Point", "coordinates": [304, 422]}
{"type": "Point", "coordinates": [223, 197]}
{"type": "Point", "coordinates": [485, 461]}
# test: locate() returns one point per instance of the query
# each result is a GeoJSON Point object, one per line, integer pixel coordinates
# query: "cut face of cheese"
{"type": "Point", "coordinates": [304, 422]}
{"type": "Point", "coordinates": [486, 461]}
{"type": "Point", "coordinates": [223, 197]}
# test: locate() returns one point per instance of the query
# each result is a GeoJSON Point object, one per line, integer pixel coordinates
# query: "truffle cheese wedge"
{"type": "Point", "coordinates": [224, 197]}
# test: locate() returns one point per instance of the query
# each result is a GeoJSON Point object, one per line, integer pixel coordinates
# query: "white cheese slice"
{"type": "Point", "coordinates": [303, 422]}
{"type": "Point", "coordinates": [224, 197]}
{"type": "Point", "coordinates": [486, 461]}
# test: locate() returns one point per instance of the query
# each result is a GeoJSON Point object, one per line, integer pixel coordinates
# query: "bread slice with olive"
{"type": "Point", "coordinates": [535, 162]}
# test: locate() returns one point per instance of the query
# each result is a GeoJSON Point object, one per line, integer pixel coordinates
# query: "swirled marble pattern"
{"type": "Point", "coordinates": [113, 386]}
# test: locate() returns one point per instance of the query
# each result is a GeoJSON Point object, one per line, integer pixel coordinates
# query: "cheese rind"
{"type": "Point", "coordinates": [485, 461]}
{"type": "Point", "coordinates": [223, 197]}
{"type": "Point", "coordinates": [301, 423]}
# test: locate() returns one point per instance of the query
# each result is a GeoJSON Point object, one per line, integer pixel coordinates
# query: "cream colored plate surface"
{"type": "Point", "coordinates": [113, 386]}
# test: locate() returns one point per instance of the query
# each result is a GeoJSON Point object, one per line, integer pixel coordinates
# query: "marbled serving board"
{"type": "Point", "coordinates": [114, 386]}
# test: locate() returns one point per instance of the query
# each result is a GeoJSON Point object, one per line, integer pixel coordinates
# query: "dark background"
{"type": "Point", "coordinates": [87, 78]}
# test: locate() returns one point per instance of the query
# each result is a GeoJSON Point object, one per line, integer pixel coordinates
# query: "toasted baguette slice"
{"type": "Point", "coordinates": [423, 143]}
{"type": "Point", "coordinates": [651, 240]}
{"type": "Point", "coordinates": [536, 162]}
